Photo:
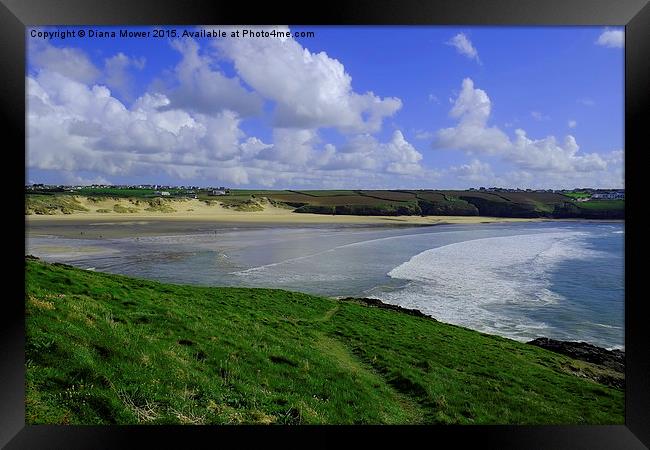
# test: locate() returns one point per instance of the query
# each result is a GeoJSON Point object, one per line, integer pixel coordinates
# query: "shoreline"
{"type": "Point", "coordinates": [248, 335]}
{"type": "Point", "coordinates": [599, 364]}
{"type": "Point", "coordinates": [295, 218]}
{"type": "Point", "coordinates": [287, 218]}
{"type": "Point", "coordinates": [117, 225]}
{"type": "Point", "coordinates": [122, 211]}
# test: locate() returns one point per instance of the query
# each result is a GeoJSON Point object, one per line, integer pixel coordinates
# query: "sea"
{"type": "Point", "coordinates": [562, 280]}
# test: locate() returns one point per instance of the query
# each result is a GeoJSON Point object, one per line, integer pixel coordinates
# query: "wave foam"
{"type": "Point", "coordinates": [482, 283]}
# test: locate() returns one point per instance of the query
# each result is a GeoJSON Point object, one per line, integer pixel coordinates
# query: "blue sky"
{"type": "Point", "coordinates": [352, 107]}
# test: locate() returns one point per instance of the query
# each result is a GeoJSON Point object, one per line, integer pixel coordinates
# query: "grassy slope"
{"type": "Point", "coordinates": [603, 204]}
{"type": "Point", "coordinates": [105, 348]}
{"type": "Point", "coordinates": [51, 204]}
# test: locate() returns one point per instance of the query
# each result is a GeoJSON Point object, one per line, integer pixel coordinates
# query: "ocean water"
{"type": "Point", "coordinates": [523, 280]}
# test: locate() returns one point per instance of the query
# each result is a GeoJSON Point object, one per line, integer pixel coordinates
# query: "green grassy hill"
{"type": "Point", "coordinates": [108, 349]}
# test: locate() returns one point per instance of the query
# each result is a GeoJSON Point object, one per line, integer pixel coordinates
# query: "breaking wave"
{"type": "Point", "coordinates": [488, 284]}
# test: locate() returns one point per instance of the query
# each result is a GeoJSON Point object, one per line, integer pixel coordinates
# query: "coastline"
{"type": "Point", "coordinates": [122, 211]}
{"type": "Point", "coordinates": [116, 225]}
{"type": "Point", "coordinates": [610, 363]}
{"type": "Point", "coordinates": [274, 218]}
{"type": "Point", "coordinates": [286, 336]}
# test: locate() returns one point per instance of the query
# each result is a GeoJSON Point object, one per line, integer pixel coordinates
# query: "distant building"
{"type": "Point", "coordinates": [217, 192]}
{"type": "Point", "coordinates": [608, 195]}
{"type": "Point", "coordinates": [161, 193]}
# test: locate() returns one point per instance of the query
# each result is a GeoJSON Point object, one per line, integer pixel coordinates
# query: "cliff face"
{"type": "Point", "coordinates": [571, 211]}
{"type": "Point", "coordinates": [504, 209]}
{"type": "Point", "coordinates": [603, 366]}
{"type": "Point", "coordinates": [464, 203]}
{"type": "Point", "coordinates": [430, 208]}
{"type": "Point", "coordinates": [613, 359]}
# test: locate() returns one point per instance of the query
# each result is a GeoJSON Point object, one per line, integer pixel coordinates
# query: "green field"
{"type": "Point", "coordinates": [108, 349]}
{"type": "Point", "coordinates": [603, 205]}
{"type": "Point", "coordinates": [577, 195]}
{"type": "Point", "coordinates": [325, 193]}
{"type": "Point", "coordinates": [429, 202]}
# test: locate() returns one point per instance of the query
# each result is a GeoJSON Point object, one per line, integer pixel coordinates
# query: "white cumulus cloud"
{"type": "Point", "coordinates": [475, 171]}
{"type": "Point", "coordinates": [544, 157]}
{"type": "Point", "coordinates": [117, 73]}
{"type": "Point", "coordinates": [69, 62]}
{"type": "Point", "coordinates": [611, 38]}
{"type": "Point", "coordinates": [200, 87]}
{"type": "Point", "coordinates": [464, 46]}
{"type": "Point", "coordinates": [75, 125]}
{"type": "Point", "coordinates": [310, 90]}
{"type": "Point", "coordinates": [472, 108]}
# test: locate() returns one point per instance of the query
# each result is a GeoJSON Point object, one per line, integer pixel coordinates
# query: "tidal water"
{"type": "Point", "coordinates": [520, 280]}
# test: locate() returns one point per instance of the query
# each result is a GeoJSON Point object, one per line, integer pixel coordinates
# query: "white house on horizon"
{"type": "Point", "coordinates": [608, 195]}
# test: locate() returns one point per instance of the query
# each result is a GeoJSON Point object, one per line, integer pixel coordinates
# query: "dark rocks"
{"type": "Point", "coordinates": [379, 304]}
{"type": "Point", "coordinates": [612, 359]}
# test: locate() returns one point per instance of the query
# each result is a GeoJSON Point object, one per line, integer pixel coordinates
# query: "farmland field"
{"type": "Point", "coordinates": [603, 204]}
{"type": "Point", "coordinates": [577, 195]}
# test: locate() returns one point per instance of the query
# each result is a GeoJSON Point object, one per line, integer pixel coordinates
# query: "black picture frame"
{"type": "Point", "coordinates": [16, 15]}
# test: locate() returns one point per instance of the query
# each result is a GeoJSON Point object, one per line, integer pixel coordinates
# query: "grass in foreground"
{"type": "Point", "coordinates": [108, 349]}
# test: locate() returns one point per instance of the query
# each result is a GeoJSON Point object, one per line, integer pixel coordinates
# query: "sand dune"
{"type": "Point", "coordinates": [198, 210]}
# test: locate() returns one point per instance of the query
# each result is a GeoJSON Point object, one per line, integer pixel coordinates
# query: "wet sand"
{"type": "Point", "coordinates": [111, 226]}
{"type": "Point", "coordinates": [100, 220]}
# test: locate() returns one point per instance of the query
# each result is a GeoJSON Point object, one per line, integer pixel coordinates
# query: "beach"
{"type": "Point", "coordinates": [511, 279]}
{"type": "Point", "coordinates": [200, 211]}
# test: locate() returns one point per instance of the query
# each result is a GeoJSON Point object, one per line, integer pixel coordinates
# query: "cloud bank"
{"type": "Point", "coordinates": [542, 161]}
{"type": "Point", "coordinates": [86, 122]}
{"type": "Point", "coordinates": [188, 125]}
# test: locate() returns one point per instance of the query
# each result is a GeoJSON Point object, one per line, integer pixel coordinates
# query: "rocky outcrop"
{"type": "Point", "coordinates": [379, 304]}
{"type": "Point", "coordinates": [612, 359]}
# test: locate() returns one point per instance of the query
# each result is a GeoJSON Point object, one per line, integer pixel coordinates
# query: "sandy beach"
{"type": "Point", "coordinates": [198, 211]}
